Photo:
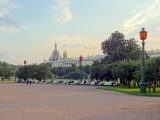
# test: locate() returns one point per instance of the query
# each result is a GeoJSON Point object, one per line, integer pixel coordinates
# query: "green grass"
{"type": "Point", "coordinates": [9, 81]}
{"type": "Point", "coordinates": [132, 91]}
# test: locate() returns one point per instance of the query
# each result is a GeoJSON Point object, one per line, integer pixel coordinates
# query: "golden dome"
{"type": "Point", "coordinates": [65, 53]}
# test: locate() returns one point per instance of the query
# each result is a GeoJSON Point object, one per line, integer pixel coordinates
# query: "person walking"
{"type": "Point", "coordinates": [30, 81]}
{"type": "Point", "coordinates": [27, 81]}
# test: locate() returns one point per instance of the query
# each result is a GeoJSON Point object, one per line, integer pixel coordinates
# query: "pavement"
{"type": "Point", "coordinates": [19, 101]}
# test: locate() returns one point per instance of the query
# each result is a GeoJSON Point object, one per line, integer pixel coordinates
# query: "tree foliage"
{"type": "Point", "coordinates": [117, 48]}
{"type": "Point", "coordinates": [6, 73]}
{"type": "Point", "coordinates": [76, 75]}
{"type": "Point", "coordinates": [34, 71]}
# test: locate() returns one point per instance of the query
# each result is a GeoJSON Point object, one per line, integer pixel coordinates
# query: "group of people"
{"type": "Point", "coordinates": [29, 81]}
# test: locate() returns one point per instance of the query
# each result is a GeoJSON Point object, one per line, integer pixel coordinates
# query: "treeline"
{"type": "Point", "coordinates": [6, 70]}
{"type": "Point", "coordinates": [123, 62]}
{"type": "Point", "coordinates": [72, 72]}
{"type": "Point", "coordinates": [34, 71]}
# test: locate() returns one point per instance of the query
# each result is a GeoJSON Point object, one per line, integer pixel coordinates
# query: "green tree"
{"type": "Point", "coordinates": [87, 69]}
{"type": "Point", "coordinates": [6, 72]}
{"type": "Point", "coordinates": [118, 48]}
{"type": "Point", "coordinates": [76, 74]}
{"type": "Point", "coordinates": [125, 71]}
{"type": "Point", "coordinates": [34, 71]}
{"type": "Point", "coordinates": [106, 72]}
{"type": "Point", "coordinates": [153, 73]}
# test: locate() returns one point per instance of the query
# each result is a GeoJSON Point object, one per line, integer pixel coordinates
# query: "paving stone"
{"type": "Point", "coordinates": [19, 101]}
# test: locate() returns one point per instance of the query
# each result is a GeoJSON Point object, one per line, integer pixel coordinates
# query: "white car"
{"type": "Point", "coordinates": [35, 81]}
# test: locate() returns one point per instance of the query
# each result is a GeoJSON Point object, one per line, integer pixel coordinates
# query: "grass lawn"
{"type": "Point", "coordinates": [132, 91]}
{"type": "Point", "coordinates": [6, 80]}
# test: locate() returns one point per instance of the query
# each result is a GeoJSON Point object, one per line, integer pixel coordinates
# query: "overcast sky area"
{"type": "Point", "coordinates": [29, 28]}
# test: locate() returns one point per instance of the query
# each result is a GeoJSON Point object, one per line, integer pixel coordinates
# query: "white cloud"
{"type": "Point", "coordinates": [62, 11]}
{"type": "Point", "coordinates": [3, 54]}
{"type": "Point", "coordinates": [78, 45]}
{"type": "Point", "coordinates": [3, 2]}
{"type": "Point", "coordinates": [158, 29]}
{"type": "Point", "coordinates": [8, 23]}
{"type": "Point", "coordinates": [142, 14]}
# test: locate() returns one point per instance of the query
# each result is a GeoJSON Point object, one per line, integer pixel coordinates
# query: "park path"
{"type": "Point", "coordinates": [19, 101]}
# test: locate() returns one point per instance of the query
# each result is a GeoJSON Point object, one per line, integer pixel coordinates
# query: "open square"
{"type": "Point", "coordinates": [19, 101]}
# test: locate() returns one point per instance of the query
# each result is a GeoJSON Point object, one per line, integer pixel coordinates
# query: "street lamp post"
{"type": "Point", "coordinates": [80, 60]}
{"type": "Point", "coordinates": [143, 36]}
{"type": "Point", "coordinates": [25, 62]}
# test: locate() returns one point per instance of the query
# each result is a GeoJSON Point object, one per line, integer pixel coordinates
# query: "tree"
{"type": "Point", "coordinates": [106, 72]}
{"type": "Point", "coordinates": [6, 72]}
{"type": "Point", "coordinates": [76, 74]}
{"type": "Point", "coordinates": [118, 48]}
{"type": "Point", "coordinates": [87, 69]}
{"type": "Point", "coordinates": [95, 71]}
{"type": "Point", "coordinates": [125, 71]}
{"type": "Point", "coordinates": [34, 71]}
{"type": "Point", "coordinates": [153, 73]}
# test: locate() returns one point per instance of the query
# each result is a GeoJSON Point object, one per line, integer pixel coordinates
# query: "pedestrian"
{"type": "Point", "coordinates": [27, 81]}
{"type": "Point", "coordinates": [30, 81]}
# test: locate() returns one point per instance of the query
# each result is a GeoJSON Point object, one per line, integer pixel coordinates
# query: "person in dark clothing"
{"type": "Point", "coordinates": [84, 82]}
{"type": "Point", "coordinates": [30, 81]}
{"type": "Point", "coordinates": [27, 81]}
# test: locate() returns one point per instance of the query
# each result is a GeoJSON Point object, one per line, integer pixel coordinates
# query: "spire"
{"type": "Point", "coordinates": [55, 45]}
{"type": "Point", "coordinates": [44, 59]}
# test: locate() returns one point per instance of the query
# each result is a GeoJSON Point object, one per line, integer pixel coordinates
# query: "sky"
{"type": "Point", "coordinates": [30, 28]}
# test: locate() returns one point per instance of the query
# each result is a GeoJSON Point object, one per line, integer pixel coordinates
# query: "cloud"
{"type": "Point", "coordinates": [3, 54]}
{"type": "Point", "coordinates": [75, 45]}
{"type": "Point", "coordinates": [6, 51]}
{"type": "Point", "coordinates": [158, 29]}
{"type": "Point", "coordinates": [8, 23]}
{"type": "Point", "coordinates": [3, 2]}
{"type": "Point", "coordinates": [89, 47]}
{"type": "Point", "coordinates": [61, 9]}
{"type": "Point", "coordinates": [64, 45]}
{"type": "Point", "coordinates": [84, 46]}
{"type": "Point", "coordinates": [93, 47]}
{"type": "Point", "coordinates": [142, 14]}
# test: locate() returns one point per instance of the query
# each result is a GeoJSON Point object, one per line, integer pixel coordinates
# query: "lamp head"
{"type": "Point", "coordinates": [80, 58]}
{"type": "Point", "coordinates": [143, 34]}
{"type": "Point", "coordinates": [25, 62]}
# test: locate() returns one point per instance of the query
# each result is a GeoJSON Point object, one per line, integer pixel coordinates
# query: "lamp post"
{"type": "Point", "coordinates": [143, 36]}
{"type": "Point", "coordinates": [80, 60]}
{"type": "Point", "coordinates": [25, 62]}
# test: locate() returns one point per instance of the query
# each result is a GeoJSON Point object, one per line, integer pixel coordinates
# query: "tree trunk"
{"type": "Point", "coordinates": [138, 84]}
{"type": "Point", "coordinates": [121, 81]}
{"type": "Point", "coordinates": [154, 87]}
{"type": "Point", "coordinates": [129, 84]}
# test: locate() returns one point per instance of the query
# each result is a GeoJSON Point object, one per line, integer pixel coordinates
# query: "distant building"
{"type": "Point", "coordinates": [55, 54]}
{"type": "Point", "coordinates": [154, 53]}
{"type": "Point", "coordinates": [64, 61]}
{"type": "Point", "coordinates": [69, 61]}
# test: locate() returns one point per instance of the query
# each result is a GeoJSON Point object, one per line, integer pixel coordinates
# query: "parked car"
{"type": "Point", "coordinates": [35, 81]}
{"type": "Point", "coordinates": [43, 81]}
{"type": "Point", "coordinates": [21, 81]}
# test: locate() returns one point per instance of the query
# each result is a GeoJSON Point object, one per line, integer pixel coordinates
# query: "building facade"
{"type": "Point", "coordinates": [154, 53]}
{"type": "Point", "coordinates": [64, 61]}
{"type": "Point", "coordinates": [68, 62]}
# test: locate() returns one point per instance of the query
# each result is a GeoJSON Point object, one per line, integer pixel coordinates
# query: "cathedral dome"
{"type": "Point", "coordinates": [55, 55]}
{"type": "Point", "coordinates": [65, 53]}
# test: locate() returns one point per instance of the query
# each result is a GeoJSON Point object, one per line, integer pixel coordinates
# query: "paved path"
{"type": "Point", "coordinates": [19, 101]}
